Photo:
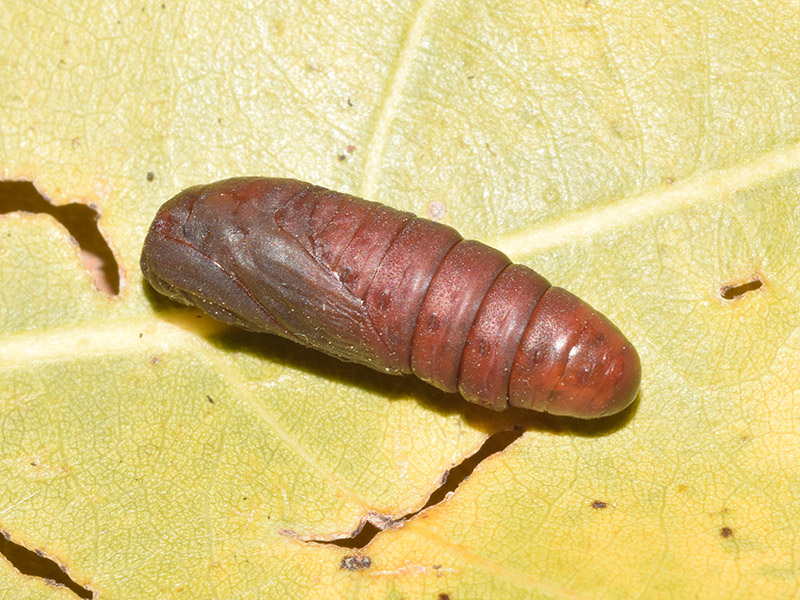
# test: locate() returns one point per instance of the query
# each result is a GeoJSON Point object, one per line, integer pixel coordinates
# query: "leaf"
{"type": "Point", "coordinates": [643, 155]}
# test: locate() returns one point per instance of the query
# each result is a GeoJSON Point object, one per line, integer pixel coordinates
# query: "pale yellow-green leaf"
{"type": "Point", "coordinates": [642, 154]}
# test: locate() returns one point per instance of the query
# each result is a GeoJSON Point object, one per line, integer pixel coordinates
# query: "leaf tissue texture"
{"type": "Point", "coordinates": [643, 155]}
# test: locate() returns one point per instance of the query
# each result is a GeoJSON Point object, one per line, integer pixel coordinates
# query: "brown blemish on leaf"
{"type": "Point", "coordinates": [599, 504]}
{"type": "Point", "coordinates": [734, 291]}
{"type": "Point", "coordinates": [726, 532]}
{"type": "Point", "coordinates": [356, 562]}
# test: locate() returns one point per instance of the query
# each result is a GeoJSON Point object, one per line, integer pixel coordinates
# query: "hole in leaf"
{"type": "Point", "coordinates": [734, 291]}
{"type": "Point", "coordinates": [78, 219]}
{"type": "Point", "coordinates": [495, 443]}
{"type": "Point", "coordinates": [35, 564]}
{"type": "Point", "coordinates": [361, 538]}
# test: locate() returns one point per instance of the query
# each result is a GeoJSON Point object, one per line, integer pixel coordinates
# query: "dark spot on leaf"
{"type": "Point", "coordinates": [154, 360]}
{"type": "Point", "coordinates": [598, 504]}
{"type": "Point", "coordinates": [355, 562]}
{"type": "Point", "coordinates": [734, 291]}
{"type": "Point", "coordinates": [210, 399]}
{"type": "Point", "coordinates": [342, 157]}
{"type": "Point", "coordinates": [444, 596]}
{"type": "Point", "coordinates": [150, 176]}
{"type": "Point", "coordinates": [726, 532]}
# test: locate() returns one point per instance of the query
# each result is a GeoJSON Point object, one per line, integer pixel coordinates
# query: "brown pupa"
{"type": "Point", "coordinates": [401, 294]}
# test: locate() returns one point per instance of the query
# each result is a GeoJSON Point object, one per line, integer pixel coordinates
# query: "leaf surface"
{"type": "Point", "coordinates": [644, 155]}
